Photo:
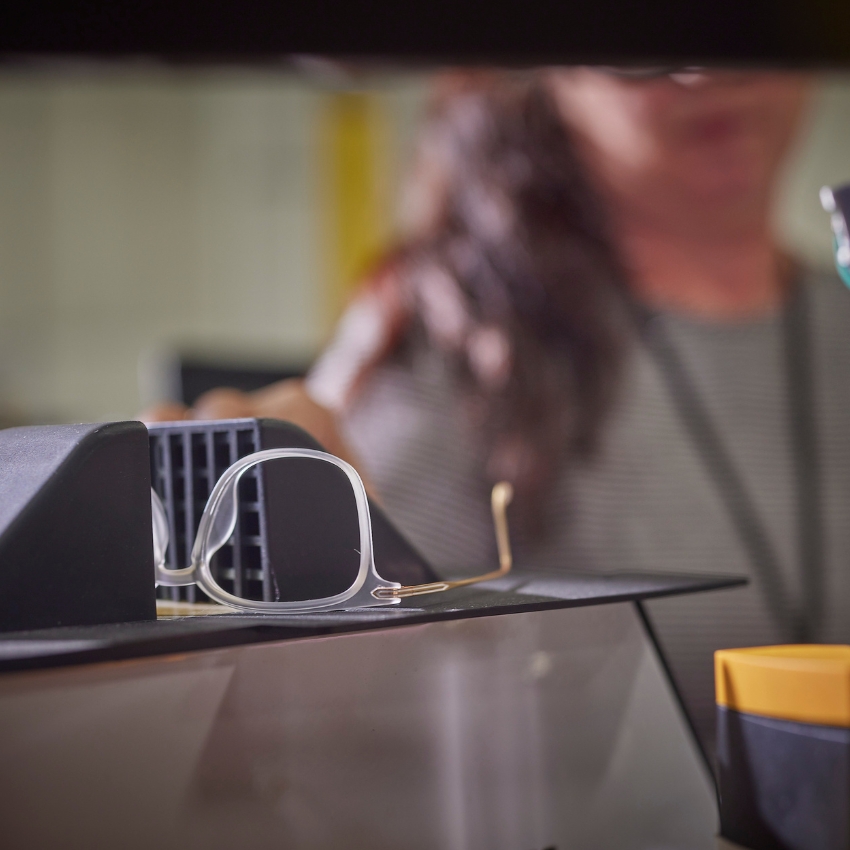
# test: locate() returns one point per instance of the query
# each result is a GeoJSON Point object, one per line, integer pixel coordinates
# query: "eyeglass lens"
{"type": "Point", "coordinates": [299, 516]}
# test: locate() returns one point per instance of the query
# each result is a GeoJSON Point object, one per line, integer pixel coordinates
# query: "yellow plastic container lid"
{"type": "Point", "coordinates": [809, 683]}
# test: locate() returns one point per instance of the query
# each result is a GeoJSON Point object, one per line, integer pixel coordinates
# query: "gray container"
{"type": "Point", "coordinates": [784, 785]}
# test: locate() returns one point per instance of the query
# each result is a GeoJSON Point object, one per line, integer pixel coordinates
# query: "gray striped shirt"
{"type": "Point", "coordinates": [645, 501]}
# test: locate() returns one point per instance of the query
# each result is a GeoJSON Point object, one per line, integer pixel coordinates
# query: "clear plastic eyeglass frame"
{"type": "Point", "coordinates": [218, 522]}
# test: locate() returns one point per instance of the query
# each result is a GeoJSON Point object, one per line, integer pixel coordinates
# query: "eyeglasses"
{"type": "Point", "coordinates": [367, 589]}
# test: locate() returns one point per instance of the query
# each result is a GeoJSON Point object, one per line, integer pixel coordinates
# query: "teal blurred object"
{"type": "Point", "coordinates": [837, 202]}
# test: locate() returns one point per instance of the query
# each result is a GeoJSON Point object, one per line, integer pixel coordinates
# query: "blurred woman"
{"type": "Point", "coordinates": [690, 415]}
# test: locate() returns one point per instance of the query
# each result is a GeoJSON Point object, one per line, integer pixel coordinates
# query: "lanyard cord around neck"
{"type": "Point", "coordinates": [800, 621]}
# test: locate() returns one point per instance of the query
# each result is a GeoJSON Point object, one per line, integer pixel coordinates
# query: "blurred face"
{"type": "Point", "coordinates": [687, 146]}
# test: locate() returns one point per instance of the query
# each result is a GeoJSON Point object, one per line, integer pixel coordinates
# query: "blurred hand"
{"type": "Point", "coordinates": [224, 403]}
{"type": "Point", "coordinates": [287, 400]}
{"type": "Point", "coordinates": [165, 411]}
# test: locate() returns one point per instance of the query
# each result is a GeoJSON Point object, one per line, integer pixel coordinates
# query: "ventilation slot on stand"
{"type": "Point", "coordinates": [186, 461]}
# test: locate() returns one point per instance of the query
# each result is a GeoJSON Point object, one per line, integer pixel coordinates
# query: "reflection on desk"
{"type": "Point", "coordinates": [441, 725]}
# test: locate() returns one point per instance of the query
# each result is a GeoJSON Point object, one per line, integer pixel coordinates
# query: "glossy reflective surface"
{"type": "Point", "coordinates": [524, 731]}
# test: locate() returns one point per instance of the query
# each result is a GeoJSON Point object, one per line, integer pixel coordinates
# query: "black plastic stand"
{"type": "Point", "coordinates": [75, 526]}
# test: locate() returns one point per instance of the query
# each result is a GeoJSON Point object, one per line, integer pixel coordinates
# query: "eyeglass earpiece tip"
{"type": "Point", "coordinates": [503, 492]}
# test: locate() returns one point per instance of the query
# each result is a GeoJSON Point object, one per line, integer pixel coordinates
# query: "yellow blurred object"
{"type": "Point", "coordinates": [807, 683]}
{"type": "Point", "coordinates": [354, 155]}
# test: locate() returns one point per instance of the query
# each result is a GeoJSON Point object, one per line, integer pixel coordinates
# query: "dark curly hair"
{"type": "Point", "coordinates": [511, 274]}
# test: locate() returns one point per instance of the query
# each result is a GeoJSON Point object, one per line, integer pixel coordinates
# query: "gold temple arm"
{"type": "Point", "coordinates": [500, 498]}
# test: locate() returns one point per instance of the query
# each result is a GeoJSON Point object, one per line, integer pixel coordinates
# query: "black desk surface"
{"type": "Point", "coordinates": [519, 592]}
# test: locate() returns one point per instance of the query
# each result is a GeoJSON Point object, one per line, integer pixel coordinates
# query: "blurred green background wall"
{"type": "Point", "coordinates": [146, 210]}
